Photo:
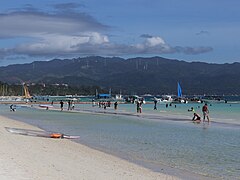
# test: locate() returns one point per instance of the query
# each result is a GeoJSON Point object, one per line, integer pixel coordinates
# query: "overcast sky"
{"type": "Point", "coordinates": [191, 30]}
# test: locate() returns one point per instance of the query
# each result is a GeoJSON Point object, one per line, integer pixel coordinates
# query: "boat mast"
{"type": "Point", "coordinates": [26, 92]}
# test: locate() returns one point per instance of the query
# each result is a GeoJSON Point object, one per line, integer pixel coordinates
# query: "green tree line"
{"type": "Point", "coordinates": [52, 90]}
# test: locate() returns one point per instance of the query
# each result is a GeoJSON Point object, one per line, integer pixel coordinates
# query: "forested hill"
{"type": "Point", "coordinates": [153, 75]}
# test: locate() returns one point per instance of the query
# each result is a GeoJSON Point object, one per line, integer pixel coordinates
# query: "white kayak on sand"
{"type": "Point", "coordinates": [38, 133]}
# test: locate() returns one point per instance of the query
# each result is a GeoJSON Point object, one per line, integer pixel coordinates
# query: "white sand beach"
{"type": "Point", "coordinates": [26, 157]}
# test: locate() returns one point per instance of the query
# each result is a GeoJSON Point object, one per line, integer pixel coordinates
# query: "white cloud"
{"type": "Point", "coordinates": [31, 23]}
{"type": "Point", "coordinates": [69, 33]}
{"type": "Point", "coordinates": [154, 41]}
{"type": "Point", "coordinates": [53, 44]}
{"type": "Point", "coordinates": [97, 38]}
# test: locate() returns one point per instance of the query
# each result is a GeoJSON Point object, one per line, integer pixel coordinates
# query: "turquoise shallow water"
{"type": "Point", "coordinates": [170, 142]}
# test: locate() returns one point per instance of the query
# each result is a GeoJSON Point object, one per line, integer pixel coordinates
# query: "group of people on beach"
{"type": "Point", "coordinates": [104, 104]}
{"type": "Point", "coordinates": [197, 118]}
{"type": "Point", "coordinates": [70, 103]}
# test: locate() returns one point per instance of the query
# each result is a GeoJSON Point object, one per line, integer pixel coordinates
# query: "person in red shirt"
{"type": "Point", "coordinates": [205, 112]}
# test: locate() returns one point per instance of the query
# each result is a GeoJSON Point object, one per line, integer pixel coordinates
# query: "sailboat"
{"type": "Point", "coordinates": [26, 92]}
{"type": "Point", "coordinates": [179, 98]}
{"type": "Point", "coordinates": [179, 91]}
{"type": "Point", "coordinates": [26, 95]}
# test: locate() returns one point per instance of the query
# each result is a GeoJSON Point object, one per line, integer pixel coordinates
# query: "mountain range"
{"type": "Point", "coordinates": [154, 75]}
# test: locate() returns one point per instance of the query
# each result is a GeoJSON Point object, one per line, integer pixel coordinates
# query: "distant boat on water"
{"type": "Point", "coordinates": [179, 98]}
{"type": "Point", "coordinates": [119, 97]}
{"type": "Point", "coordinates": [166, 99]}
{"type": "Point", "coordinates": [134, 99]}
{"type": "Point", "coordinates": [179, 90]}
{"type": "Point", "coordinates": [213, 99]}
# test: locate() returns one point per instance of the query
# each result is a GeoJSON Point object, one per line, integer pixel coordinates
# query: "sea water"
{"type": "Point", "coordinates": [168, 143]}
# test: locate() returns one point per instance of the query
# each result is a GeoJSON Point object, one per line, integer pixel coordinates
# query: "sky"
{"type": "Point", "coordinates": [189, 30]}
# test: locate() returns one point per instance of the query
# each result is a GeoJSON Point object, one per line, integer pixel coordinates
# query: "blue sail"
{"type": "Point", "coordinates": [179, 90]}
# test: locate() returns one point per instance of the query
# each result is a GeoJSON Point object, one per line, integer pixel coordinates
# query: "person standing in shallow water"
{"type": "Point", "coordinates": [61, 105]}
{"type": "Point", "coordinates": [155, 104]}
{"type": "Point", "coordinates": [205, 112]}
{"type": "Point", "coordinates": [69, 105]}
{"type": "Point", "coordinates": [139, 107]}
{"type": "Point", "coordinates": [115, 105]}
